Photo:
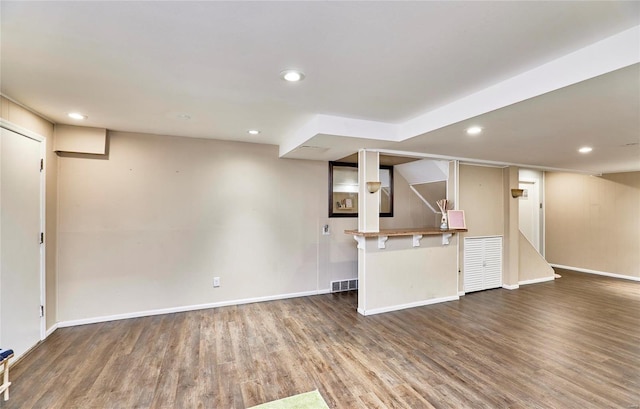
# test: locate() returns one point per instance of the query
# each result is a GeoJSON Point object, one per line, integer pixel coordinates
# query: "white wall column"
{"type": "Point", "coordinates": [511, 263]}
{"type": "Point", "coordinates": [368, 203]}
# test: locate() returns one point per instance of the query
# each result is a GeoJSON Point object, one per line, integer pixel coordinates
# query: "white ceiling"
{"type": "Point", "coordinates": [542, 78]}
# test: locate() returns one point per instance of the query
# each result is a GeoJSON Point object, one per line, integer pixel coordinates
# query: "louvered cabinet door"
{"type": "Point", "coordinates": [492, 262]}
{"type": "Point", "coordinates": [473, 264]}
{"type": "Point", "coordinates": [482, 263]}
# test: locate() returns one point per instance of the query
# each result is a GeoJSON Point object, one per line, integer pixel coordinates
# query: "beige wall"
{"type": "Point", "coordinates": [482, 199]}
{"type": "Point", "coordinates": [151, 226]}
{"type": "Point", "coordinates": [532, 267]}
{"type": "Point", "coordinates": [593, 223]}
{"type": "Point", "coordinates": [511, 259]}
{"type": "Point", "coordinates": [18, 115]}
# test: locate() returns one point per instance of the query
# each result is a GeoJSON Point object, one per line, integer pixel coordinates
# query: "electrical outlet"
{"type": "Point", "coordinates": [325, 230]}
{"type": "Point", "coordinates": [216, 281]}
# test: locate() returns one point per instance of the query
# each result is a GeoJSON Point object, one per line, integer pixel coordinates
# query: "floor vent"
{"type": "Point", "coordinates": [344, 285]}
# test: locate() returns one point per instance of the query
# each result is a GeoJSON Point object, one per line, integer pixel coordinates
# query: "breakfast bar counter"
{"type": "Point", "coordinates": [405, 268]}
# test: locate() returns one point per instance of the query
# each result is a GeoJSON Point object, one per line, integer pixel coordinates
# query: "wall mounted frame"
{"type": "Point", "coordinates": [343, 190]}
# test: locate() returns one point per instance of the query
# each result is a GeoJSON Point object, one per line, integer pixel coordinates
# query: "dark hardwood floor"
{"type": "Point", "coordinates": [571, 343]}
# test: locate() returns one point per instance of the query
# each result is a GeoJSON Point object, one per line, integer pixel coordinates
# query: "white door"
{"type": "Point", "coordinates": [529, 208]}
{"type": "Point", "coordinates": [20, 249]}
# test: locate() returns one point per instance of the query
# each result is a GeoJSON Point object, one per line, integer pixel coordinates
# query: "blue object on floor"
{"type": "Point", "coordinates": [5, 354]}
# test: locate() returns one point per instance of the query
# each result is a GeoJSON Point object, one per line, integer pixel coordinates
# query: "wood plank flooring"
{"type": "Point", "coordinates": [571, 343]}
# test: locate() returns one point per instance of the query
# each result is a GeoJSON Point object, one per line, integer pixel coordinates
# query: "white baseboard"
{"type": "Point", "coordinates": [409, 305]}
{"type": "Point", "coordinates": [510, 287]}
{"type": "Point", "coordinates": [537, 280]}
{"type": "Point", "coordinates": [461, 293]}
{"type": "Point", "coordinates": [148, 313]}
{"type": "Point", "coordinates": [600, 273]}
{"type": "Point", "coordinates": [51, 330]}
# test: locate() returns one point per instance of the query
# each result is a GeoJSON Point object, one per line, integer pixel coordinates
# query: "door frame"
{"type": "Point", "coordinates": [43, 201]}
{"type": "Point", "coordinates": [539, 183]}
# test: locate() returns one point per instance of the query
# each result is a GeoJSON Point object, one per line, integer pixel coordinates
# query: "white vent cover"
{"type": "Point", "coordinates": [344, 285]}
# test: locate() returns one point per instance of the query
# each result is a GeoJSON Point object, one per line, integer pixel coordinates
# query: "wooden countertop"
{"type": "Point", "coordinates": [425, 231]}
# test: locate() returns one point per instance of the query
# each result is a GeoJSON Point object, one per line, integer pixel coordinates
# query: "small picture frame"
{"type": "Point", "coordinates": [456, 219]}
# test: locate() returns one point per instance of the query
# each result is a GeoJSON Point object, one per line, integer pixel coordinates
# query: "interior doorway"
{"type": "Point", "coordinates": [531, 208]}
{"type": "Point", "coordinates": [21, 250]}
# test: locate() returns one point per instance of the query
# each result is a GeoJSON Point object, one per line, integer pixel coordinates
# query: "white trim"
{"type": "Point", "coordinates": [409, 305]}
{"type": "Point", "coordinates": [456, 206]}
{"type": "Point", "coordinates": [22, 131]}
{"type": "Point", "coordinates": [483, 165]}
{"type": "Point", "coordinates": [479, 162]}
{"type": "Point", "coordinates": [510, 287]}
{"type": "Point", "coordinates": [43, 245]}
{"type": "Point", "coordinates": [536, 280]}
{"type": "Point", "coordinates": [461, 293]}
{"type": "Point", "coordinates": [484, 237]}
{"type": "Point", "coordinates": [51, 330]}
{"type": "Point", "coordinates": [600, 273]}
{"type": "Point", "coordinates": [148, 313]}
{"type": "Point", "coordinates": [543, 225]}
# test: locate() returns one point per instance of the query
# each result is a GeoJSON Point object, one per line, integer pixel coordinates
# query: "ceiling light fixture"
{"type": "Point", "coordinates": [292, 75]}
{"type": "Point", "coordinates": [184, 117]}
{"type": "Point", "coordinates": [474, 130]}
{"type": "Point", "coordinates": [76, 115]}
{"type": "Point", "coordinates": [253, 131]}
{"type": "Point", "coordinates": [585, 149]}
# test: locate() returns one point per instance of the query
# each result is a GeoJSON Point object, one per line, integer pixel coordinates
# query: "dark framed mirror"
{"type": "Point", "coordinates": [343, 190]}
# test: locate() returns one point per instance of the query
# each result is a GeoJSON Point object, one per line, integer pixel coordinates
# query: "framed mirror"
{"type": "Point", "coordinates": [343, 190]}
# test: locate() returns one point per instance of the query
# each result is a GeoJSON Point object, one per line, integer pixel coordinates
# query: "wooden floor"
{"type": "Point", "coordinates": [572, 343]}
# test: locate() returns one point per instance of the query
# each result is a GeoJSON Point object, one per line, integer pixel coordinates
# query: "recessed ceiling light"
{"type": "Point", "coordinates": [77, 115]}
{"type": "Point", "coordinates": [474, 130]}
{"type": "Point", "coordinates": [253, 131]}
{"type": "Point", "coordinates": [292, 75]}
{"type": "Point", "coordinates": [585, 149]}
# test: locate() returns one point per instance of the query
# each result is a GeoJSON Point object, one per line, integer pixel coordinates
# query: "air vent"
{"type": "Point", "coordinates": [344, 285]}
